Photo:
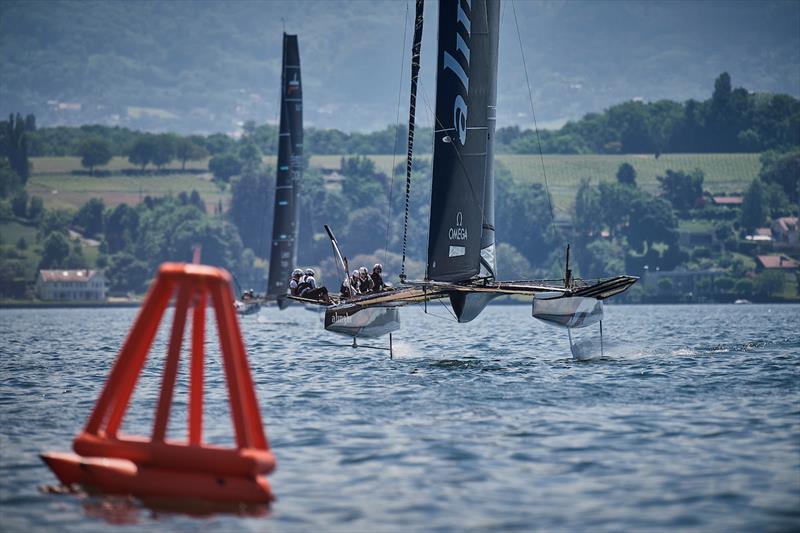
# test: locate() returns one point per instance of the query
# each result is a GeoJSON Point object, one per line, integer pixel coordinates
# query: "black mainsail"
{"type": "Point", "coordinates": [283, 250]}
{"type": "Point", "coordinates": [461, 238]}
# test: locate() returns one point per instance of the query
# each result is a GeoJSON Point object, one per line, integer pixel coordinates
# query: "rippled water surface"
{"type": "Point", "coordinates": [691, 421]}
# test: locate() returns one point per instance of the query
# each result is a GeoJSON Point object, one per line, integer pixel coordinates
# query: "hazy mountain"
{"type": "Point", "coordinates": [206, 66]}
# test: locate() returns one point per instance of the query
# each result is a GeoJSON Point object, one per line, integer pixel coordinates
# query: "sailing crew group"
{"type": "Point", "coordinates": [362, 282]}
{"type": "Point", "coordinates": [304, 285]}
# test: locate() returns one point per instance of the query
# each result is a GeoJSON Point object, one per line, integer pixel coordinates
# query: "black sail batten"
{"type": "Point", "coordinates": [283, 247]}
{"type": "Point", "coordinates": [462, 193]}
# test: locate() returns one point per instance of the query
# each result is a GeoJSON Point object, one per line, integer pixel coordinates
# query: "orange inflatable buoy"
{"type": "Point", "coordinates": [156, 467]}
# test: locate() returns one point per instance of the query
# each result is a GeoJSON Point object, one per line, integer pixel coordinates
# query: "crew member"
{"type": "Point", "coordinates": [366, 281]}
{"type": "Point", "coordinates": [355, 283]}
{"type": "Point", "coordinates": [345, 289]}
{"type": "Point", "coordinates": [377, 280]}
{"type": "Point", "coordinates": [294, 283]}
{"type": "Point", "coordinates": [309, 289]}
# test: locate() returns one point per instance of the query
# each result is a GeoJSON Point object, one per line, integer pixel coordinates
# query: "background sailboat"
{"type": "Point", "coordinates": [283, 248]}
{"type": "Point", "coordinates": [283, 245]}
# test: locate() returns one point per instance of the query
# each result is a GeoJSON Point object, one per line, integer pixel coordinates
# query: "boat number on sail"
{"type": "Point", "coordinates": [450, 62]}
{"type": "Point", "coordinates": [458, 233]}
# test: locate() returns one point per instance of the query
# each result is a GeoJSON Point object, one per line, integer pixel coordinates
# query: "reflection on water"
{"type": "Point", "coordinates": [689, 421]}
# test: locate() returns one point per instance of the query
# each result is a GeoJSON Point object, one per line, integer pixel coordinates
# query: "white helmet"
{"type": "Point", "coordinates": [363, 270]}
{"type": "Point", "coordinates": [355, 273]}
{"type": "Point", "coordinates": [309, 272]}
{"type": "Point", "coordinates": [377, 268]}
{"type": "Point", "coordinates": [297, 272]}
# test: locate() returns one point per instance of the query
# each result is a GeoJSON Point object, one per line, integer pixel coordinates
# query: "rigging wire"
{"type": "Point", "coordinates": [396, 137]}
{"type": "Point", "coordinates": [536, 127]}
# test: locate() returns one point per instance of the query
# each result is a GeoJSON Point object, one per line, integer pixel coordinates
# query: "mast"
{"type": "Point", "coordinates": [412, 110]}
{"type": "Point", "coordinates": [461, 238]}
{"type": "Point", "coordinates": [283, 249]}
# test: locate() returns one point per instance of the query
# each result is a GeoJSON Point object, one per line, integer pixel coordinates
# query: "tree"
{"type": "Point", "coordinates": [601, 258]}
{"type": "Point", "coordinates": [35, 208]}
{"type": "Point", "coordinates": [121, 228]}
{"type": "Point", "coordinates": [225, 166]}
{"type": "Point", "coordinates": [94, 152]}
{"type": "Point", "coordinates": [54, 251]}
{"type": "Point", "coordinates": [626, 174]}
{"type": "Point", "coordinates": [681, 189]}
{"type": "Point", "coordinates": [616, 201]}
{"type": "Point", "coordinates": [784, 170]}
{"type": "Point", "coordinates": [724, 284]}
{"type": "Point", "coordinates": [743, 287]}
{"type": "Point", "coordinates": [163, 150]}
{"type": "Point", "coordinates": [15, 146]}
{"type": "Point", "coordinates": [219, 143]}
{"type": "Point", "coordinates": [19, 204]}
{"type": "Point", "coordinates": [187, 150]}
{"type": "Point", "coordinates": [9, 181]}
{"type": "Point", "coordinates": [588, 211]}
{"type": "Point", "coordinates": [512, 264]}
{"type": "Point", "coordinates": [127, 274]}
{"type": "Point", "coordinates": [362, 183]}
{"type": "Point", "coordinates": [196, 200]}
{"type": "Point", "coordinates": [769, 283]}
{"type": "Point", "coordinates": [55, 220]}
{"type": "Point", "coordinates": [651, 220]}
{"type": "Point", "coordinates": [250, 156]}
{"type": "Point", "coordinates": [90, 217]}
{"type": "Point", "coordinates": [754, 206]}
{"type": "Point", "coordinates": [143, 151]}
{"type": "Point", "coordinates": [523, 217]}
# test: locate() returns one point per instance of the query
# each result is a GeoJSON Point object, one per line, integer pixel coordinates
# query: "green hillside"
{"type": "Point", "coordinates": [724, 173]}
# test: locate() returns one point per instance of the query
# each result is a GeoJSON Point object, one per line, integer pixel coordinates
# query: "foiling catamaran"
{"type": "Point", "coordinates": [461, 263]}
{"type": "Point", "coordinates": [283, 246]}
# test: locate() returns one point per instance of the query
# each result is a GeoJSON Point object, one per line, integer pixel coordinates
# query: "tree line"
{"type": "Point", "coordinates": [732, 120]}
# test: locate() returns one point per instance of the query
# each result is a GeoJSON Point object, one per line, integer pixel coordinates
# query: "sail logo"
{"type": "Point", "coordinates": [460, 110]}
{"type": "Point", "coordinates": [459, 232]}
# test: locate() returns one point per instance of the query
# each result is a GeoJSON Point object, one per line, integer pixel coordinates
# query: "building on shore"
{"type": "Point", "coordinates": [71, 285]}
{"type": "Point", "coordinates": [776, 262]}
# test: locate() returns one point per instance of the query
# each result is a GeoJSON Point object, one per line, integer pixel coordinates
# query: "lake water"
{"type": "Point", "coordinates": [691, 421]}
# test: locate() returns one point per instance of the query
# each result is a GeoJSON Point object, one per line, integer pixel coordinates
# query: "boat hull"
{"type": "Point", "coordinates": [247, 308]}
{"type": "Point", "coordinates": [568, 312]}
{"type": "Point", "coordinates": [356, 321]}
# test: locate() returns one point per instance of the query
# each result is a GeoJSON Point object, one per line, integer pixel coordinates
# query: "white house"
{"type": "Point", "coordinates": [71, 285]}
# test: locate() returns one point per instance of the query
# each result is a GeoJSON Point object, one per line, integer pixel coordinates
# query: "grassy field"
{"type": "Point", "coordinates": [723, 172]}
{"type": "Point", "coordinates": [729, 173]}
{"type": "Point", "coordinates": [71, 191]}
{"type": "Point", "coordinates": [65, 165]}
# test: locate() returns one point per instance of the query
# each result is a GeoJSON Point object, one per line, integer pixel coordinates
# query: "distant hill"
{"type": "Point", "coordinates": [203, 66]}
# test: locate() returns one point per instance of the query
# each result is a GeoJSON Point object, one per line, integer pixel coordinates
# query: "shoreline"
{"type": "Point", "coordinates": [132, 304]}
